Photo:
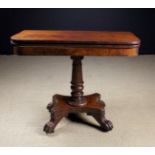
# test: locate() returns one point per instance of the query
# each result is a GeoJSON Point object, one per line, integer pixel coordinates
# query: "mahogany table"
{"type": "Point", "coordinates": [76, 44]}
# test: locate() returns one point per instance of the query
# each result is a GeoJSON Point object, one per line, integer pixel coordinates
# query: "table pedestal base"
{"type": "Point", "coordinates": [77, 102]}
{"type": "Point", "coordinates": [60, 108]}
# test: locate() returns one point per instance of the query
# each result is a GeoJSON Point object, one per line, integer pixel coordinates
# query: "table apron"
{"type": "Point", "coordinates": [76, 51]}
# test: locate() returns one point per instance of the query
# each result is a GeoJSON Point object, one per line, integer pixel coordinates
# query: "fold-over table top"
{"type": "Point", "coordinates": [75, 43]}
{"type": "Point", "coordinates": [76, 37]}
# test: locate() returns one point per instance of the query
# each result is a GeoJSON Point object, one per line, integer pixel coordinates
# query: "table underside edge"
{"type": "Point", "coordinates": [120, 50]}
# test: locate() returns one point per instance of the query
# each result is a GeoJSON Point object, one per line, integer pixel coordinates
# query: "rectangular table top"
{"type": "Point", "coordinates": [54, 42]}
{"type": "Point", "coordinates": [76, 37]}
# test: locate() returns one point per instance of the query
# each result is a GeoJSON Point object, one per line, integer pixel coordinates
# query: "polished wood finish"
{"type": "Point", "coordinates": [77, 98]}
{"type": "Point", "coordinates": [76, 44]}
{"type": "Point", "coordinates": [60, 108]}
{"type": "Point", "coordinates": [71, 50]}
{"type": "Point", "coordinates": [76, 37]}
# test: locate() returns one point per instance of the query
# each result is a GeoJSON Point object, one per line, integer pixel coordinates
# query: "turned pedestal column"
{"type": "Point", "coordinates": [77, 98]}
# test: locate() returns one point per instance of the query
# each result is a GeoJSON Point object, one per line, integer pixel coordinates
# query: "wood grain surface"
{"type": "Point", "coordinates": [77, 37]}
{"type": "Point", "coordinates": [75, 43]}
{"type": "Point", "coordinates": [74, 51]}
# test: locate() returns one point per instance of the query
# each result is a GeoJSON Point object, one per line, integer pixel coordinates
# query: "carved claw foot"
{"type": "Point", "coordinates": [56, 114]}
{"type": "Point", "coordinates": [49, 106]}
{"type": "Point", "coordinates": [49, 127]}
{"type": "Point", "coordinates": [106, 125]}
